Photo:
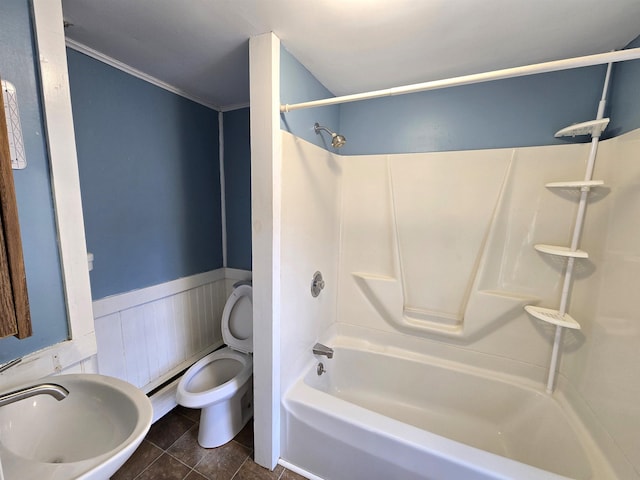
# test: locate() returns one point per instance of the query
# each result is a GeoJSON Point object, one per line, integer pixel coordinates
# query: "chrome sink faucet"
{"type": "Point", "coordinates": [56, 391]}
{"type": "Point", "coordinates": [320, 349]}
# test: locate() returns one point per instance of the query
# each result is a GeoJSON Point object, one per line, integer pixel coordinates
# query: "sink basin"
{"type": "Point", "coordinates": [88, 435]}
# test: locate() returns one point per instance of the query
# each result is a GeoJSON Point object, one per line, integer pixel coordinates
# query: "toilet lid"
{"type": "Point", "coordinates": [237, 320]}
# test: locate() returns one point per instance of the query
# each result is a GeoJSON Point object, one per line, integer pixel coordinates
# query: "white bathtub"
{"type": "Point", "coordinates": [401, 415]}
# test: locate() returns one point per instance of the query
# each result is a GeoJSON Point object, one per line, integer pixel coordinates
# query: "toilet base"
{"type": "Point", "coordinates": [220, 422]}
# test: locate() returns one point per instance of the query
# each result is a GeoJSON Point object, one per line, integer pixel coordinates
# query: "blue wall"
{"type": "Point", "coordinates": [516, 112]}
{"type": "Point", "coordinates": [298, 85]}
{"type": "Point", "coordinates": [624, 96]}
{"type": "Point", "coordinates": [150, 179]}
{"type": "Point", "coordinates": [237, 174]}
{"type": "Point", "coordinates": [33, 189]}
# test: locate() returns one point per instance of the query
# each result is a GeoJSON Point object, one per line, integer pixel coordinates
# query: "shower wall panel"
{"type": "Point", "coordinates": [443, 206]}
{"type": "Point", "coordinates": [311, 182]}
{"type": "Point", "coordinates": [440, 245]}
{"type": "Point", "coordinates": [604, 368]}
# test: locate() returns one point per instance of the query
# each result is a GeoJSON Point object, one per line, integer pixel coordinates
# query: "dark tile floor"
{"type": "Point", "coordinates": [170, 451]}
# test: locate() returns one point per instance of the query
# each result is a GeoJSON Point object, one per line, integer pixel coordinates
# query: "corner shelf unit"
{"type": "Point", "coordinates": [552, 316]}
{"type": "Point", "coordinates": [559, 317]}
{"type": "Point", "coordinates": [592, 127]}
{"type": "Point", "coordinates": [560, 251]}
{"type": "Point", "coordinates": [581, 184]}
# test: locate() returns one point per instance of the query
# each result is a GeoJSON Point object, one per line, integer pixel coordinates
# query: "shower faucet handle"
{"type": "Point", "coordinates": [317, 284]}
{"type": "Point", "coordinates": [320, 349]}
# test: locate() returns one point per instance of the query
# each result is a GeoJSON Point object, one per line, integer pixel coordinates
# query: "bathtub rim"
{"type": "Point", "coordinates": [591, 434]}
{"type": "Point", "coordinates": [522, 374]}
{"type": "Point", "coordinates": [302, 396]}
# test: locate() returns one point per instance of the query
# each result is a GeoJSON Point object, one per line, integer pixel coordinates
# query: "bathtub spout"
{"type": "Point", "coordinates": [320, 349]}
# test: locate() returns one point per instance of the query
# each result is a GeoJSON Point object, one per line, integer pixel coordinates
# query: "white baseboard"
{"type": "Point", "coordinates": [298, 470]}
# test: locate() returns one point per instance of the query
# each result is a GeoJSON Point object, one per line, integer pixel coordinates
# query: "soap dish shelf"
{"type": "Point", "coordinates": [552, 316]}
{"type": "Point", "coordinates": [560, 251]}
{"type": "Point", "coordinates": [592, 127]}
{"type": "Point", "coordinates": [581, 184]}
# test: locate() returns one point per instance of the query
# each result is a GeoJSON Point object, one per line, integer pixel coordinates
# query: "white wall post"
{"type": "Point", "coordinates": [266, 162]}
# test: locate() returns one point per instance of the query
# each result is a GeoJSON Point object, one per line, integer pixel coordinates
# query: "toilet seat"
{"type": "Point", "coordinates": [237, 319]}
{"type": "Point", "coordinates": [195, 388]}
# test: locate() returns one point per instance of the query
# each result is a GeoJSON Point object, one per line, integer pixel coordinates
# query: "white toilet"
{"type": "Point", "coordinates": [221, 383]}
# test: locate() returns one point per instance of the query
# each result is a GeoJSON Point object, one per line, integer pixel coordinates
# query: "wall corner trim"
{"type": "Point", "coordinates": [237, 274]}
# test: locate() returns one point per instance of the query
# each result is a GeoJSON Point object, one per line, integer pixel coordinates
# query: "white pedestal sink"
{"type": "Point", "coordinates": [87, 435]}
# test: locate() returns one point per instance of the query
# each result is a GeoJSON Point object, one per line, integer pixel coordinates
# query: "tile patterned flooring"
{"type": "Point", "coordinates": [170, 451]}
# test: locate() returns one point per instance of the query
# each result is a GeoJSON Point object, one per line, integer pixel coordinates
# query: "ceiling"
{"type": "Point", "coordinates": [200, 47]}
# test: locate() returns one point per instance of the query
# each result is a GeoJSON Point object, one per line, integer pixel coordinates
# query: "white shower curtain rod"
{"type": "Point", "coordinates": [553, 66]}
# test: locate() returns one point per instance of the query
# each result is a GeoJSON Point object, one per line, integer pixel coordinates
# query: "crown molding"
{"type": "Point", "coordinates": [79, 47]}
{"type": "Point", "coordinates": [235, 106]}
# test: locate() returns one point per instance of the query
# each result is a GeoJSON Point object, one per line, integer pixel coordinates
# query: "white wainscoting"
{"type": "Point", "coordinates": [147, 336]}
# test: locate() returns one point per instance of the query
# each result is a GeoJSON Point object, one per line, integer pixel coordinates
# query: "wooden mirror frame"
{"type": "Point", "coordinates": [15, 318]}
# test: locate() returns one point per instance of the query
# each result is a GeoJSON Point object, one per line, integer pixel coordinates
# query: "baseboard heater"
{"type": "Point", "coordinates": [163, 397]}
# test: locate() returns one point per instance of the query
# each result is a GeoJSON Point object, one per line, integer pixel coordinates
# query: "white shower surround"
{"type": "Point", "coordinates": [339, 217]}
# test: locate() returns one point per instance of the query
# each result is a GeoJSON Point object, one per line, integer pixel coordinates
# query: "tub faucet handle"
{"type": "Point", "coordinates": [320, 349]}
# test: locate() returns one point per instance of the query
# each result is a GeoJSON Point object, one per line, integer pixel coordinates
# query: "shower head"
{"type": "Point", "coordinates": [337, 140]}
